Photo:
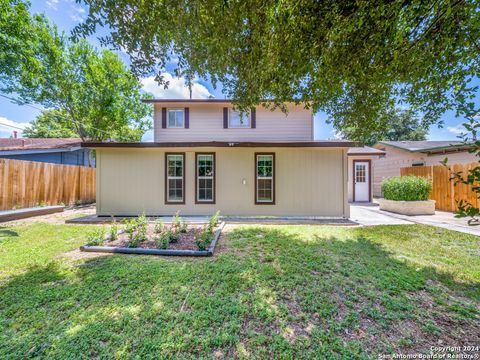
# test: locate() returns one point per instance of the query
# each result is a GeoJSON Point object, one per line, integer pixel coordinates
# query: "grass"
{"type": "Point", "coordinates": [270, 292]}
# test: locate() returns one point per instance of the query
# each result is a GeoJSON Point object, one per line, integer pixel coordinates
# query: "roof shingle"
{"type": "Point", "coordinates": [38, 143]}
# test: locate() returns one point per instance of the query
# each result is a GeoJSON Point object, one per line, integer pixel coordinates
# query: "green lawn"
{"type": "Point", "coordinates": [270, 292]}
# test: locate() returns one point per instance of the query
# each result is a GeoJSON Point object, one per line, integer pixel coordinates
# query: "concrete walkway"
{"type": "Point", "coordinates": [372, 215]}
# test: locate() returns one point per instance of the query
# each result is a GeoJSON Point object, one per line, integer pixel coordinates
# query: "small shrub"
{"type": "Point", "coordinates": [78, 202]}
{"type": "Point", "coordinates": [162, 240]}
{"type": "Point", "coordinates": [183, 227]}
{"type": "Point", "coordinates": [130, 226]}
{"type": "Point", "coordinates": [114, 230]}
{"type": "Point", "coordinates": [203, 238]}
{"type": "Point", "coordinates": [96, 237]}
{"type": "Point", "coordinates": [159, 226]}
{"type": "Point", "coordinates": [406, 188]}
{"type": "Point", "coordinates": [213, 221]}
{"type": "Point", "coordinates": [177, 221]}
{"type": "Point", "coordinates": [136, 230]}
{"type": "Point", "coordinates": [142, 225]}
{"type": "Point", "coordinates": [174, 236]}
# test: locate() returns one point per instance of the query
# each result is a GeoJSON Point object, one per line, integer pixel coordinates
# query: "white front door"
{"type": "Point", "coordinates": [361, 180]}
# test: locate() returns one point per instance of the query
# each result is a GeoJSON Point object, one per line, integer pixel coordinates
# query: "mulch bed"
{"type": "Point", "coordinates": [186, 242]}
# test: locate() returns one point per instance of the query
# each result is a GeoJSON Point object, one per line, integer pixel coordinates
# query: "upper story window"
{"type": "Point", "coordinates": [237, 119]}
{"type": "Point", "coordinates": [176, 118]}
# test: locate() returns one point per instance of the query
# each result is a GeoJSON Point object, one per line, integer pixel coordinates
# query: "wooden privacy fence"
{"type": "Point", "coordinates": [27, 183]}
{"type": "Point", "coordinates": [444, 191]}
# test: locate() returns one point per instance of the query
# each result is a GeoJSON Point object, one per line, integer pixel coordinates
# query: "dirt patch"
{"type": "Point", "coordinates": [185, 242]}
{"type": "Point", "coordinates": [80, 255]}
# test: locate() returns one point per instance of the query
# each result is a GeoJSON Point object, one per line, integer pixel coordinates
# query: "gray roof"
{"type": "Point", "coordinates": [365, 150]}
{"type": "Point", "coordinates": [425, 146]}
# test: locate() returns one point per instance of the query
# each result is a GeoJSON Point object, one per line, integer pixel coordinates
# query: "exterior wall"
{"type": "Point", "coordinates": [350, 173]}
{"type": "Point", "coordinates": [77, 157]}
{"type": "Point", "coordinates": [394, 159]}
{"type": "Point", "coordinates": [309, 182]}
{"type": "Point", "coordinates": [206, 124]}
{"type": "Point", "coordinates": [454, 158]}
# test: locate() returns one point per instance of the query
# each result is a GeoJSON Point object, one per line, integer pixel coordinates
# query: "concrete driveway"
{"type": "Point", "coordinates": [370, 214]}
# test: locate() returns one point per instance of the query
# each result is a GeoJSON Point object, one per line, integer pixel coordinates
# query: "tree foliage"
{"type": "Point", "coordinates": [20, 35]}
{"type": "Point", "coordinates": [87, 91]}
{"type": "Point", "coordinates": [351, 59]}
{"type": "Point", "coordinates": [51, 124]}
{"type": "Point", "coordinates": [467, 209]}
{"type": "Point", "coordinates": [394, 125]}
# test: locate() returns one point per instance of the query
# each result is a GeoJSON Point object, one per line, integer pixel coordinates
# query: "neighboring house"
{"type": "Point", "coordinates": [400, 154]}
{"type": "Point", "coordinates": [360, 173]}
{"type": "Point", "coordinates": [56, 151]}
{"type": "Point", "coordinates": [207, 157]}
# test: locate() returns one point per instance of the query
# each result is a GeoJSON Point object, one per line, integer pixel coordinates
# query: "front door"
{"type": "Point", "coordinates": [361, 181]}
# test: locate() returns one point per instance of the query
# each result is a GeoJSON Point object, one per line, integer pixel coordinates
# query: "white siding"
{"type": "Point", "coordinates": [206, 124]}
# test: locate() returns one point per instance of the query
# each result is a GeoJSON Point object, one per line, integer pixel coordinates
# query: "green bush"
{"type": "Point", "coordinates": [406, 188]}
{"type": "Point", "coordinates": [96, 237]}
{"type": "Point", "coordinates": [113, 230]}
{"type": "Point", "coordinates": [162, 240]}
{"type": "Point", "coordinates": [203, 238]}
{"type": "Point", "coordinates": [159, 226]}
{"type": "Point", "coordinates": [213, 222]}
{"type": "Point", "coordinates": [136, 230]}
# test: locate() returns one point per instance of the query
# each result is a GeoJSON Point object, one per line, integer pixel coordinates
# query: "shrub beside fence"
{"type": "Point", "coordinates": [26, 184]}
{"type": "Point", "coordinates": [444, 191]}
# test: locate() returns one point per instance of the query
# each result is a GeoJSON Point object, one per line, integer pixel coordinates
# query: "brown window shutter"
{"type": "Point", "coordinates": [187, 118]}
{"type": "Point", "coordinates": [253, 120]}
{"type": "Point", "coordinates": [164, 118]}
{"type": "Point", "coordinates": [225, 118]}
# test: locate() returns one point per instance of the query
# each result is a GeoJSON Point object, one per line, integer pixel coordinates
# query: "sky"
{"type": "Point", "coordinates": [66, 14]}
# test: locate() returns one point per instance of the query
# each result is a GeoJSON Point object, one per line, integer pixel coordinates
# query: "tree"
{"type": "Point", "coordinates": [472, 178]}
{"type": "Point", "coordinates": [51, 124]}
{"type": "Point", "coordinates": [352, 59]}
{"type": "Point", "coordinates": [394, 125]}
{"type": "Point", "coordinates": [87, 92]}
{"type": "Point", "coordinates": [21, 38]}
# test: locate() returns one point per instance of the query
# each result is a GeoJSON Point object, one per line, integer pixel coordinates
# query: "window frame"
{"type": "Point", "coordinates": [197, 178]}
{"type": "Point", "coordinates": [274, 180]}
{"type": "Point", "coordinates": [249, 117]}
{"type": "Point", "coordinates": [167, 201]}
{"type": "Point", "coordinates": [168, 118]}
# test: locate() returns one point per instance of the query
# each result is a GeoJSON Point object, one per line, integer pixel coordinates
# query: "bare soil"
{"type": "Point", "coordinates": [186, 241]}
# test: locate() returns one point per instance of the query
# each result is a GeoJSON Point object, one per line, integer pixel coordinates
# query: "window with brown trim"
{"type": "Point", "coordinates": [264, 178]}
{"type": "Point", "coordinates": [176, 118]}
{"type": "Point", "coordinates": [175, 178]}
{"type": "Point", "coordinates": [238, 119]}
{"type": "Point", "coordinates": [205, 178]}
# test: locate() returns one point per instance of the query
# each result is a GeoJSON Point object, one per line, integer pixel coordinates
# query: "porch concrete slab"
{"type": "Point", "coordinates": [365, 215]}
{"type": "Point", "coordinates": [368, 215]}
{"type": "Point", "coordinates": [94, 219]}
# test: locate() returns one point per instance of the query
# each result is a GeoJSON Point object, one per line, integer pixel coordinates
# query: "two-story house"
{"type": "Point", "coordinates": [207, 157]}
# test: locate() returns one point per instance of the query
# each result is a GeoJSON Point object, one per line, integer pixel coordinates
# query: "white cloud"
{"type": "Point", "coordinates": [7, 127]}
{"type": "Point", "coordinates": [457, 130]}
{"type": "Point", "coordinates": [148, 136]}
{"type": "Point", "coordinates": [52, 4]}
{"type": "Point", "coordinates": [77, 14]}
{"type": "Point", "coordinates": [335, 135]}
{"type": "Point", "coordinates": [177, 88]}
